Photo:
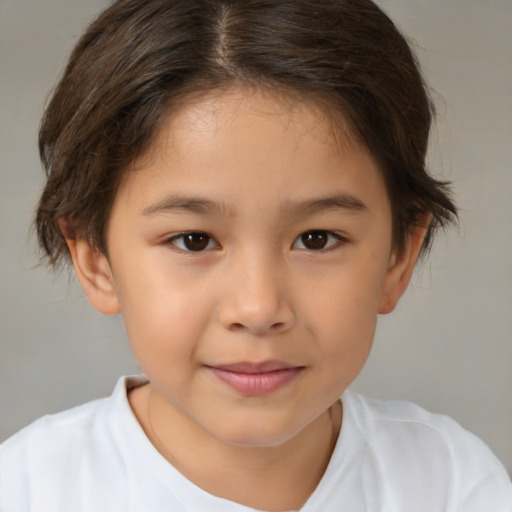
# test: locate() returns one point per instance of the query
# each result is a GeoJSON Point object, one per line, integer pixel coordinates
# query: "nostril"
{"type": "Point", "coordinates": [237, 326]}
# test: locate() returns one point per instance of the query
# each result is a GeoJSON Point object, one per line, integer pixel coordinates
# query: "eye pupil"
{"type": "Point", "coordinates": [315, 239]}
{"type": "Point", "coordinates": [196, 241]}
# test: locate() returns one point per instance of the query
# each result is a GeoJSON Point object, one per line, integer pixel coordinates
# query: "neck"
{"type": "Point", "coordinates": [272, 478]}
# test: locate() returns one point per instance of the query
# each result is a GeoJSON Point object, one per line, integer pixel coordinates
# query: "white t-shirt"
{"type": "Point", "coordinates": [390, 457]}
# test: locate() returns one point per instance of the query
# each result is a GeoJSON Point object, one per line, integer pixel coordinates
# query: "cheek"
{"type": "Point", "coordinates": [345, 343]}
{"type": "Point", "coordinates": [348, 331]}
{"type": "Point", "coordinates": [345, 310]}
{"type": "Point", "coordinates": [163, 315]}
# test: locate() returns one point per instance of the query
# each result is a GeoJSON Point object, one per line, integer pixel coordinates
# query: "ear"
{"type": "Point", "coordinates": [93, 271]}
{"type": "Point", "coordinates": [401, 266]}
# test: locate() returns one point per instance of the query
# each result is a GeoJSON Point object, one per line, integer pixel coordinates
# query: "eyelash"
{"type": "Point", "coordinates": [181, 236]}
{"type": "Point", "coordinates": [335, 240]}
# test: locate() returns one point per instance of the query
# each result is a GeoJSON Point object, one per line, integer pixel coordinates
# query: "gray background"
{"type": "Point", "coordinates": [447, 347]}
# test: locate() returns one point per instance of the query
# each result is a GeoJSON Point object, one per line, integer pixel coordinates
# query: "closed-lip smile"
{"type": "Point", "coordinates": [256, 379]}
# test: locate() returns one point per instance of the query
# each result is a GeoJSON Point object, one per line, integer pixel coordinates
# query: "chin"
{"type": "Point", "coordinates": [255, 436]}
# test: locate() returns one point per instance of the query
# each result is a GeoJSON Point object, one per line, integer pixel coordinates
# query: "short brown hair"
{"type": "Point", "coordinates": [139, 57]}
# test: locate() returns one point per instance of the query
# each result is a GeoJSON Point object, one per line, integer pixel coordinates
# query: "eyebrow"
{"type": "Point", "coordinates": [187, 204]}
{"type": "Point", "coordinates": [203, 206]}
{"type": "Point", "coordinates": [341, 201]}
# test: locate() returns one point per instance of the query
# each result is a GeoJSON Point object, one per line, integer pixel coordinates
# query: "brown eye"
{"type": "Point", "coordinates": [194, 241]}
{"type": "Point", "coordinates": [316, 240]}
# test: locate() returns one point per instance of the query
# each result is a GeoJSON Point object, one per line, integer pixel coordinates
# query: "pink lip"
{"type": "Point", "coordinates": [255, 379]}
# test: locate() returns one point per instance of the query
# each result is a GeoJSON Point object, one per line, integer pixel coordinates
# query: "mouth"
{"type": "Point", "coordinates": [256, 379]}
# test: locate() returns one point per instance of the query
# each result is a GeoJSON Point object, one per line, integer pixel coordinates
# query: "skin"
{"type": "Point", "coordinates": [259, 169]}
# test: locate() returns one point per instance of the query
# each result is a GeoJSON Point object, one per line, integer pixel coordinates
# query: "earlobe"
{"type": "Point", "coordinates": [93, 271]}
{"type": "Point", "coordinates": [401, 266]}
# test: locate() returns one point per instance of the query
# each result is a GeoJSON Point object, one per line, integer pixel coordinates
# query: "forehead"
{"type": "Point", "coordinates": [257, 145]}
{"type": "Point", "coordinates": [197, 118]}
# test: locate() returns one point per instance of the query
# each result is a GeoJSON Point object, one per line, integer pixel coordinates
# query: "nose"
{"type": "Point", "coordinates": [256, 299]}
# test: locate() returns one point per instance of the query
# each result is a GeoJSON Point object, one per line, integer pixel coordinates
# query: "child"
{"type": "Point", "coordinates": [245, 182]}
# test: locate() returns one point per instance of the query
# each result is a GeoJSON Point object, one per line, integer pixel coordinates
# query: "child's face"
{"type": "Point", "coordinates": [250, 328]}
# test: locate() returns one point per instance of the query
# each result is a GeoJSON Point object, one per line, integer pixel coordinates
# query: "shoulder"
{"type": "Point", "coordinates": [54, 429]}
{"type": "Point", "coordinates": [84, 422]}
{"type": "Point", "coordinates": [416, 446]}
{"type": "Point", "coordinates": [399, 415]}
{"type": "Point", "coordinates": [385, 420]}
{"type": "Point", "coordinates": [30, 458]}
{"type": "Point", "coordinates": [50, 437]}
{"type": "Point", "coordinates": [53, 452]}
